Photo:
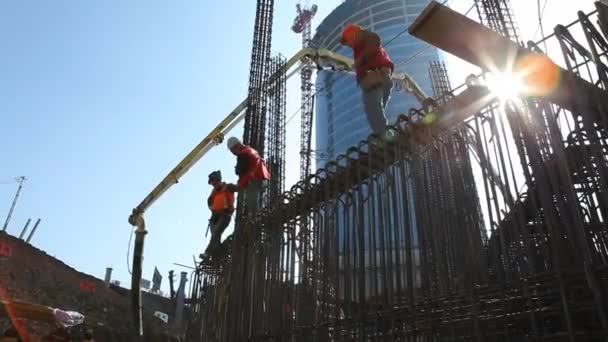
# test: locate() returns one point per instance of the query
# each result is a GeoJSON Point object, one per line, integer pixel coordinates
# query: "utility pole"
{"type": "Point", "coordinates": [20, 180]}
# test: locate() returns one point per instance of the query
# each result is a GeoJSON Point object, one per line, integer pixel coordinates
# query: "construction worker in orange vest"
{"type": "Point", "coordinates": [221, 204]}
{"type": "Point", "coordinates": [374, 68]}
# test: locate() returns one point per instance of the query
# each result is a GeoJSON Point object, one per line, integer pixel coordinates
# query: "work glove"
{"type": "Point", "coordinates": [232, 187]}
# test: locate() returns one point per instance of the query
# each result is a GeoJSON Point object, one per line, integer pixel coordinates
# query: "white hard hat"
{"type": "Point", "coordinates": [233, 141]}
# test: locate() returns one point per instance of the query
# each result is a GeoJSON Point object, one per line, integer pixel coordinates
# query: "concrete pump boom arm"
{"type": "Point", "coordinates": [216, 136]}
{"type": "Point", "coordinates": [408, 84]}
{"type": "Point", "coordinates": [320, 57]}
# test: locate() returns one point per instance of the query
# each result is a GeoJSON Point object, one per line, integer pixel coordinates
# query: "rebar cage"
{"type": "Point", "coordinates": [492, 230]}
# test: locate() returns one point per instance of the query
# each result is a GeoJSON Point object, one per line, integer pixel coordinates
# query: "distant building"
{"type": "Point", "coordinates": [339, 119]}
{"type": "Point", "coordinates": [145, 284]}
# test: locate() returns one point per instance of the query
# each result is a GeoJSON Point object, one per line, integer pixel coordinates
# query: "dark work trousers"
{"type": "Point", "coordinates": [217, 224]}
{"type": "Point", "coordinates": [253, 194]}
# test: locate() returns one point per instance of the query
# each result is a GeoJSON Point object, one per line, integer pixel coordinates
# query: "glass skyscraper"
{"type": "Point", "coordinates": [339, 119]}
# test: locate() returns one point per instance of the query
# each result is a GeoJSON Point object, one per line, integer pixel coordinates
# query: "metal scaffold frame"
{"type": "Point", "coordinates": [471, 225]}
{"type": "Point", "coordinates": [255, 115]}
{"type": "Point", "coordinates": [440, 81]}
{"type": "Point", "coordinates": [498, 15]}
{"type": "Point", "coordinates": [321, 57]}
{"type": "Point", "coordinates": [275, 138]}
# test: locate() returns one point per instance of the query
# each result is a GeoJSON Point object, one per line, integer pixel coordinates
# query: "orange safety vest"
{"type": "Point", "coordinates": [221, 199]}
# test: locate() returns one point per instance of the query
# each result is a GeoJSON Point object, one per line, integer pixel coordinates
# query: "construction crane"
{"type": "Point", "coordinates": [323, 59]}
{"type": "Point", "coordinates": [302, 25]}
{"type": "Point", "coordinates": [19, 180]}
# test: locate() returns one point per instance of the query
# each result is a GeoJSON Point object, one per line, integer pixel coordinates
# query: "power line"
{"type": "Point", "coordinates": [541, 14]}
{"type": "Point", "coordinates": [402, 32]}
{"type": "Point", "coordinates": [9, 180]}
{"type": "Point", "coordinates": [412, 57]}
{"type": "Point", "coordinates": [313, 95]}
{"type": "Point", "coordinates": [417, 53]}
{"type": "Point", "coordinates": [293, 115]}
{"type": "Point", "coordinates": [302, 106]}
{"type": "Point", "coordinates": [395, 37]}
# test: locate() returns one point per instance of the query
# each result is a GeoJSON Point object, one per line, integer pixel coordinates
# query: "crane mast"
{"type": "Point", "coordinates": [302, 25]}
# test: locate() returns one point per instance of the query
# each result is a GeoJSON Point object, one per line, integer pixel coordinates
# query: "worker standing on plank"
{"type": "Point", "coordinates": [221, 204]}
{"type": "Point", "coordinates": [374, 68]}
{"type": "Point", "coordinates": [252, 171]}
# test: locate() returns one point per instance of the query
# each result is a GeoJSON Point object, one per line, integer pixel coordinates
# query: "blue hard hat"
{"type": "Point", "coordinates": [215, 175]}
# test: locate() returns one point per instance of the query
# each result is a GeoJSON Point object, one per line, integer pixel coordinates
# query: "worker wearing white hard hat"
{"type": "Point", "coordinates": [252, 171]}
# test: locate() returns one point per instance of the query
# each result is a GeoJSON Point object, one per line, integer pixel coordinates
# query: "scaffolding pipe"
{"type": "Point", "coordinates": [25, 228]}
{"type": "Point", "coordinates": [29, 237]}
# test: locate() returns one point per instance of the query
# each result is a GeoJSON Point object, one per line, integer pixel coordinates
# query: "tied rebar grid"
{"type": "Point", "coordinates": [499, 16]}
{"type": "Point", "coordinates": [277, 96]}
{"type": "Point", "coordinates": [218, 316]}
{"type": "Point", "coordinates": [205, 282]}
{"type": "Point", "coordinates": [255, 115]}
{"type": "Point", "coordinates": [440, 81]}
{"type": "Point", "coordinates": [493, 230]}
{"type": "Point", "coordinates": [254, 132]}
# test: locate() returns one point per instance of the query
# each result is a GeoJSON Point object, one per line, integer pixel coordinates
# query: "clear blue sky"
{"type": "Point", "coordinates": [100, 99]}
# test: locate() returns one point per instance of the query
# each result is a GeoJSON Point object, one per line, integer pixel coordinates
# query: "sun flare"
{"type": "Point", "coordinates": [507, 86]}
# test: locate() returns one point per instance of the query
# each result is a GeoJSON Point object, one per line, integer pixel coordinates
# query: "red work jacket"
{"type": "Point", "coordinates": [254, 170]}
{"type": "Point", "coordinates": [379, 59]}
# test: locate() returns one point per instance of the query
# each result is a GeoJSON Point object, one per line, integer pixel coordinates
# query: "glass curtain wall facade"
{"type": "Point", "coordinates": [339, 118]}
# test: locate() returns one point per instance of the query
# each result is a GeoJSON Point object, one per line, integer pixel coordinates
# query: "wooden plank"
{"type": "Point", "coordinates": [469, 40]}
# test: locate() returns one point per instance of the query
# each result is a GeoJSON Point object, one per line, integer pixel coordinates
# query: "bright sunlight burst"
{"type": "Point", "coordinates": [528, 75]}
{"type": "Point", "coordinates": [506, 86]}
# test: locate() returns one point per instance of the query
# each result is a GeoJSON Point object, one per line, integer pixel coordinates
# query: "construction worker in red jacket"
{"type": "Point", "coordinates": [374, 69]}
{"type": "Point", "coordinates": [221, 204]}
{"type": "Point", "coordinates": [252, 171]}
